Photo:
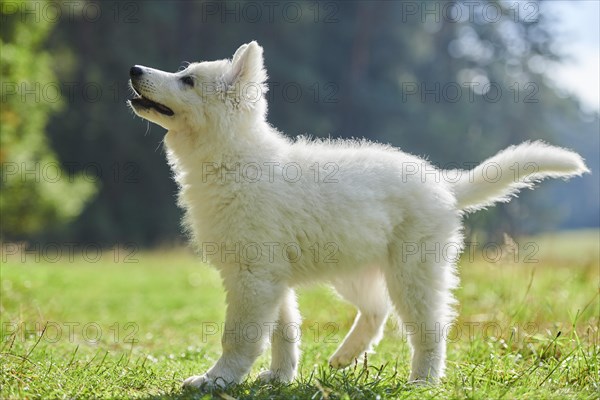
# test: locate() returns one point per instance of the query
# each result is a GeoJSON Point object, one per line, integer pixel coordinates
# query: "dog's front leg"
{"type": "Point", "coordinates": [285, 342]}
{"type": "Point", "coordinates": [253, 298]}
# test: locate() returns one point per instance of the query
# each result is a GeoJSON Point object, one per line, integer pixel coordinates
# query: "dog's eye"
{"type": "Point", "coordinates": [188, 80]}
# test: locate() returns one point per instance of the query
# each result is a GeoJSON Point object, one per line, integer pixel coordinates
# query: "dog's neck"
{"type": "Point", "coordinates": [186, 150]}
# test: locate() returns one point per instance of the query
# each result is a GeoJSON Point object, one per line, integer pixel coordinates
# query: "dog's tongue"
{"type": "Point", "coordinates": [147, 103]}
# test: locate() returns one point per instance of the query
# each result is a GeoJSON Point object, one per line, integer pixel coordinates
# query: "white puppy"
{"type": "Point", "coordinates": [382, 226]}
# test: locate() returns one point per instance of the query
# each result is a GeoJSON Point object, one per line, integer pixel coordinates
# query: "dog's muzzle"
{"type": "Point", "coordinates": [141, 101]}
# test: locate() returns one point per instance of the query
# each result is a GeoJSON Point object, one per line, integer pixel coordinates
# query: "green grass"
{"type": "Point", "coordinates": [75, 328]}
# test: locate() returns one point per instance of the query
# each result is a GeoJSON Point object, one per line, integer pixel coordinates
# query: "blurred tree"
{"type": "Point", "coordinates": [384, 70]}
{"type": "Point", "coordinates": [36, 192]}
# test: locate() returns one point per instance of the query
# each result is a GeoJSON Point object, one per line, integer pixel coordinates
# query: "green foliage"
{"type": "Point", "coordinates": [36, 192]}
{"type": "Point", "coordinates": [351, 61]}
{"type": "Point", "coordinates": [114, 329]}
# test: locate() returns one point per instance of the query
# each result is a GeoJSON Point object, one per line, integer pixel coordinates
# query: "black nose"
{"type": "Point", "coordinates": [135, 71]}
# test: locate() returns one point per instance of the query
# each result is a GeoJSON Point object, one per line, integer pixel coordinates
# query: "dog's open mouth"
{"type": "Point", "coordinates": [140, 101]}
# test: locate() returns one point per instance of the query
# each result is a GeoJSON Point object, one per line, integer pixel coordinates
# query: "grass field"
{"type": "Point", "coordinates": [135, 324]}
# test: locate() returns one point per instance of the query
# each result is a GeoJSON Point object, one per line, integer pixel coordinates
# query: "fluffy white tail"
{"type": "Point", "coordinates": [502, 176]}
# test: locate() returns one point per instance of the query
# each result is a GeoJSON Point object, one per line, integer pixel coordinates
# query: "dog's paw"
{"type": "Point", "coordinates": [204, 382]}
{"type": "Point", "coordinates": [423, 382]}
{"type": "Point", "coordinates": [342, 360]}
{"type": "Point", "coordinates": [270, 376]}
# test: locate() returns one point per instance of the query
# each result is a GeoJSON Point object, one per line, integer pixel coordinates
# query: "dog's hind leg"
{"type": "Point", "coordinates": [420, 279]}
{"type": "Point", "coordinates": [367, 292]}
{"type": "Point", "coordinates": [285, 341]}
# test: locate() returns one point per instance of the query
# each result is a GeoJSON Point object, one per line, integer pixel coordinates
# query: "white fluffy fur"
{"type": "Point", "coordinates": [362, 216]}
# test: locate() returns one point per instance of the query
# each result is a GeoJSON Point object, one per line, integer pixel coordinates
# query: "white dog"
{"type": "Point", "coordinates": [382, 226]}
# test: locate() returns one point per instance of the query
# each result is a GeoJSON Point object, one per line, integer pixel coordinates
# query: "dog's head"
{"type": "Point", "coordinates": [204, 95]}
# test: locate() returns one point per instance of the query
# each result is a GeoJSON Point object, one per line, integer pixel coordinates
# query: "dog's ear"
{"type": "Point", "coordinates": [247, 65]}
{"type": "Point", "coordinates": [238, 53]}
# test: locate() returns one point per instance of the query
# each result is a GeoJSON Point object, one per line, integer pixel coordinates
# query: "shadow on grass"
{"type": "Point", "coordinates": [366, 382]}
